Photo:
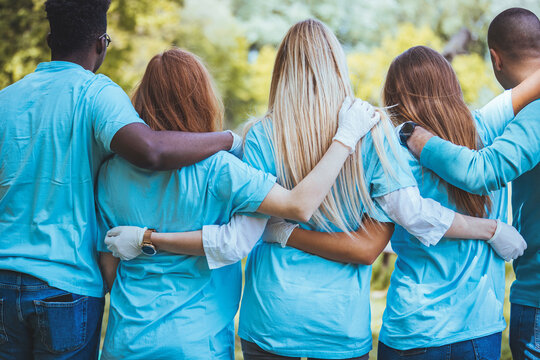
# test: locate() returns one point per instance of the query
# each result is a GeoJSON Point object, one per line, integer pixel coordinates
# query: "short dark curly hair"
{"type": "Point", "coordinates": [75, 24]}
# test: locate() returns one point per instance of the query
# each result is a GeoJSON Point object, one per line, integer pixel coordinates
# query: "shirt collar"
{"type": "Point", "coordinates": [58, 65]}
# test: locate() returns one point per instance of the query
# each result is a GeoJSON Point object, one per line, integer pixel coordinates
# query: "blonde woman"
{"type": "Point", "coordinates": [296, 304]}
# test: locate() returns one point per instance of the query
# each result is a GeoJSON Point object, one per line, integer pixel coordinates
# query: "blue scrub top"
{"type": "Point", "coordinates": [453, 291]}
{"type": "Point", "coordinates": [172, 306]}
{"type": "Point", "coordinates": [298, 304]}
{"type": "Point", "coordinates": [513, 156]}
{"type": "Point", "coordinates": [56, 126]}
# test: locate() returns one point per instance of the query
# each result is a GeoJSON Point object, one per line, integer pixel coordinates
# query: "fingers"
{"type": "Point", "coordinates": [115, 231]}
{"type": "Point", "coordinates": [347, 103]}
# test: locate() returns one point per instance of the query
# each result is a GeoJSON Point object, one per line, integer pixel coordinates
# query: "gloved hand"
{"type": "Point", "coordinates": [125, 241]}
{"type": "Point", "coordinates": [356, 118]}
{"type": "Point", "coordinates": [237, 147]}
{"type": "Point", "coordinates": [507, 242]}
{"type": "Point", "coordinates": [278, 231]}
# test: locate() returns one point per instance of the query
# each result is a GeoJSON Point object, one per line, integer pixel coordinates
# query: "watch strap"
{"type": "Point", "coordinates": [147, 239]}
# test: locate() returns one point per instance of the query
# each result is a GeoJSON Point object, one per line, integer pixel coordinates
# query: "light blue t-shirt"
{"type": "Point", "coordinates": [172, 306]}
{"type": "Point", "coordinates": [453, 291]}
{"type": "Point", "coordinates": [55, 130]}
{"type": "Point", "coordinates": [513, 156]}
{"type": "Point", "coordinates": [298, 304]}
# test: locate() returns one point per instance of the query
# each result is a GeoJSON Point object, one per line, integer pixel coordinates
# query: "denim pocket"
{"type": "Point", "coordinates": [3, 334]}
{"type": "Point", "coordinates": [412, 352]}
{"type": "Point", "coordinates": [62, 325]}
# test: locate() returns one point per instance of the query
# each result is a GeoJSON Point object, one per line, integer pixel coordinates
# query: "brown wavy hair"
{"type": "Point", "coordinates": [421, 86]}
{"type": "Point", "coordinates": [177, 93]}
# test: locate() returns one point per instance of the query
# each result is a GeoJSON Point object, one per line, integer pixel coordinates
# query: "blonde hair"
{"type": "Point", "coordinates": [309, 83]}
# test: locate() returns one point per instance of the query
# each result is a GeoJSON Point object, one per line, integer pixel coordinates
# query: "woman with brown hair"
{"type": "Point", "coordinates": [445, 301]}
{"type": "Point", "coordinates": [171, 306]}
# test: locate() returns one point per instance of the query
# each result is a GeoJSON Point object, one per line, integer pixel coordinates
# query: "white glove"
{"type": "Point", "coordinates": [237, 147]}
{"type": "Point", "coordinates": [278, 231]}
{"type": "Point", "coordinates": [356, 118]}
{"type": "Point", "coordinates": [125, 241]}
{"type": "Point", "coordinates": [507, 242]}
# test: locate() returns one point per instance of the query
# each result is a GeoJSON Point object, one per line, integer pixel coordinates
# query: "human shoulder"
{"type": "Point", "coordinates": [259, 129]}
{"type": "Point", "coordinates": [404, 152]}
{"type": "Point", "coordinates": [220, 160]}
{"type": "Point", "coordinates": [102, 85]}
{"type": "Point", "coordinates": [531, 110]}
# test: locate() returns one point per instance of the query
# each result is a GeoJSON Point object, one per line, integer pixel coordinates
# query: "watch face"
{"type": "Point", "coordinates": [148, 250]}
{"type": "Point", "coordinates": [408, 128]}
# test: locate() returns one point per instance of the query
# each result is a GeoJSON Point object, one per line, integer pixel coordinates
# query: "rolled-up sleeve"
{"type": "Point", "coordinates": [423, 218]}
{"type": "Point", "coordinates": [229, 243]}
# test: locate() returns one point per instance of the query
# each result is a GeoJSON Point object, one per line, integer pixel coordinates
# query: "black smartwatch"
{"type": "Point", "coordinates": [406, 131]}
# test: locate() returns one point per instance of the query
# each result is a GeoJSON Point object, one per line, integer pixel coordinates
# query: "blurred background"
{"type": "Point", "coordinates": [237, 41]}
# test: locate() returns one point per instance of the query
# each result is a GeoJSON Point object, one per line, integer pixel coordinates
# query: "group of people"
{"type": "Point", "coordinates": [147, 198]}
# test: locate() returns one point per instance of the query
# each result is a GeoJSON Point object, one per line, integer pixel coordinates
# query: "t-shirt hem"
{"type": "Point", "coordinates": [117, 125]}
{"type": "Point", "coordinates": [326, 354]}
{"type": "Point", "coordinates": [63, 285]}
{"type": "Point", "coordinates": [442, 342]}
{"type": "Point", "coordinates": [520, 300]}
{"type": "Point", "coordinates": [256, 200]}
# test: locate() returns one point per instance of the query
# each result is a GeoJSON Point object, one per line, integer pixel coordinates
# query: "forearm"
{"type": "Point", "coordinates": [418, 140]}
{"type": "Point", "coordinates": [184, 243]}
{"type": "Point", "coordinates": [361, 247]}
{"type": "Point", "coordinates": [424, 218]}
{"type": "Point", "coordinates": [482, 171]}
{"type": "Point", "coordinates": [468, 227]}
{"type": "Point", "coordinates": [108, 265]}
{"type": "Point", "coordinates": [303, 200]}
{"type": "Point", "coordinates": [527, 91]}
{"type": "Point", "coordinates": [167, 150]}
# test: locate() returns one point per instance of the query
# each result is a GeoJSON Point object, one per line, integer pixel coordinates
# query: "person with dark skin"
{"type": "Point", "coordinates": [514, 42]}
{"type": "Point", "coordinates": [57, 125]}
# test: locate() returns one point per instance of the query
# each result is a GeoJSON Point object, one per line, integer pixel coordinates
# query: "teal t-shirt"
{"type": "Point", "coordinates": [172, 306]}
{"type": "Point", "coordinates": [453, 291]}
{"type": "Point", "coordinates": [56, 127]}
{"type": "Point", "coordinates": [513, 156]}
{"type": "Point", "coordinates": [298, 304]}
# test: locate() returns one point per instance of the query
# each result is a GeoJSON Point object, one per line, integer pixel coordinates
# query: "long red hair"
{"type": "Point", "coordinates": [176, 93]}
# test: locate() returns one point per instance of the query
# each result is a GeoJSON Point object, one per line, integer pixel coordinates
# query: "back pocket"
{"type": "Point", "coordinates": [62, 325]}
{"type": "Point", "coordinates": [3, 334]}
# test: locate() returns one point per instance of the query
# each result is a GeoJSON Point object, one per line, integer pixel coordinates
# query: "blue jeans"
{"type": "Point", "coordinates": [41, 322]}
{"type": "Point", "coordinates": [484, 348]}
{"type": "Point", "coordinates": [524, 332]}
{"type": "Point", "coordinates": [252, 351]}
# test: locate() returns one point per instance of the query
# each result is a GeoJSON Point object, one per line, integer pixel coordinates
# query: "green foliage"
{"type": "Point", "coordinates": [24, 30]}
{"type": "Point", "coordinates": [237, 39]}
{"type": "Point", "coordinates": [368, 69]}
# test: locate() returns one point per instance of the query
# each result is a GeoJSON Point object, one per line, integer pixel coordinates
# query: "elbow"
{"type": "Point", "coordinates": [301, 214]}
{"type": "Point", "coordinates": [151, 158]}
{"type": "Point", "coordinates": [363, 258]}
{"type": "Point", "coordinates": [369, 259]}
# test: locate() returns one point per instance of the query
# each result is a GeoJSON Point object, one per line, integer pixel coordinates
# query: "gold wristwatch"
{"type": "Point", "coordinates": [147, 247]}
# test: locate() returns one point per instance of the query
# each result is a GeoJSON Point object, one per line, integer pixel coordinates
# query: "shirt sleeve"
{"type": "Point", "coordinates": [493, 118]}
{"type": "Point", "coordinates": [254, 154]}
{"type": "Point", "coordinates": [423, 218]}
{"type": "Point", "coordinates": [241, 186]}
{"type": "Point", "coordinates": [513, 153]}
{"type": "Point", "coordinates": [395, 173]}
{"type": "Point", "coordinates": [111, 111]}
{"type": "Point", "coordinates": [229, 243]}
